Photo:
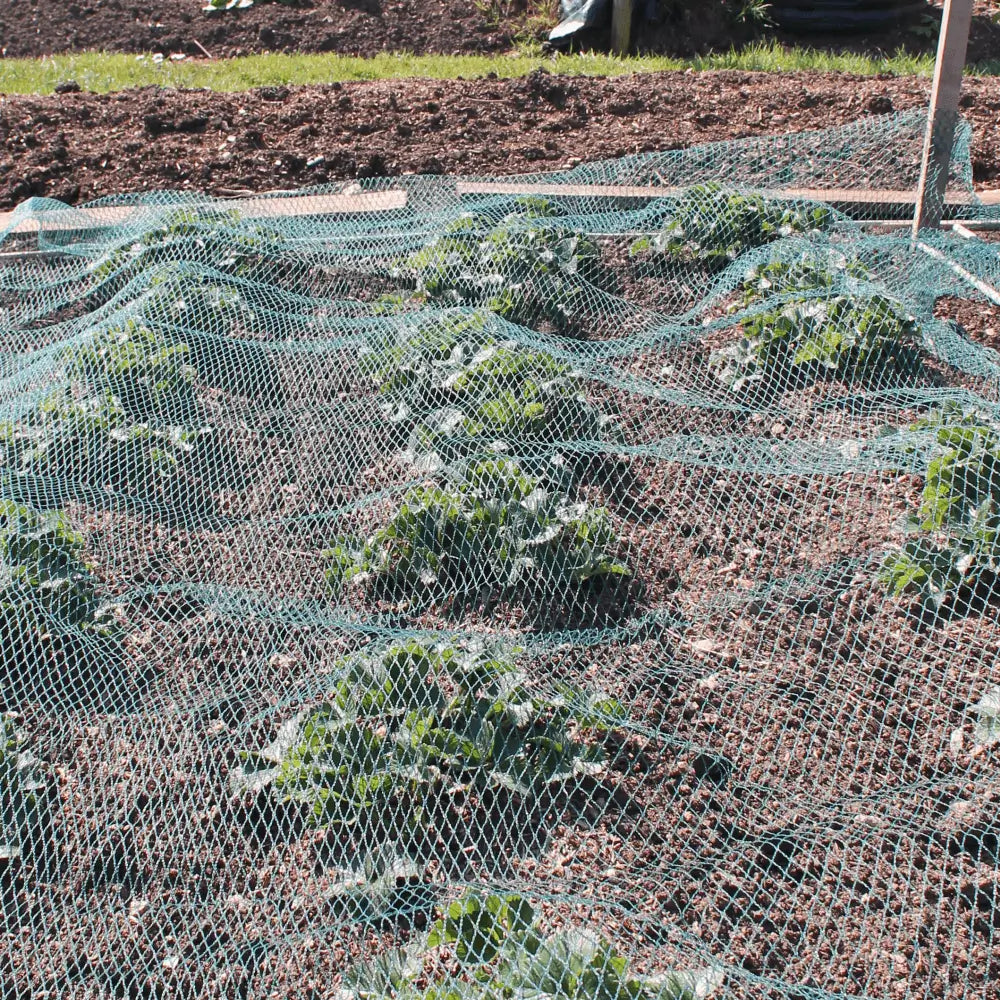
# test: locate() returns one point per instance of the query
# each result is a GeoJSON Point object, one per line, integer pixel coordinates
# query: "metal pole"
{"type": "Point", "coordinates": [942, 116]}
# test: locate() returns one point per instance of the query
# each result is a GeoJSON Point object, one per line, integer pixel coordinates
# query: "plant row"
{"type": "Point", "coordinates": [494, 425]}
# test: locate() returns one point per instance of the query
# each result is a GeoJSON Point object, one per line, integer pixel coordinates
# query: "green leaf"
{"type": "Point", "coordinates": [987, 709]}
{"type": "Point", "coordinates": [694, 985]}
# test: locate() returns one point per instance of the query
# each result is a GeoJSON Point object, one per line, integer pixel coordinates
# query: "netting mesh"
{"type": "Point", "coordinates": [444, 588]}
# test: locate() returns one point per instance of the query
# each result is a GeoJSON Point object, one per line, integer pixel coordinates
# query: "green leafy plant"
{"type": "Point", "coordinates": [218, 238]}
{"type": "Point", "coordinates": [820, 272]}
{"type": "Point", "coordinates": [229, 340]}
{"type": "Point", "coordinates": [125, 418]}
{"type": "Point", "coordinates": [418, 733]}
{"type": "Point", "coordinates": [497, 531]}
{"type": "Point", "coordinates": [927, 27]}
{"type": "Point", "coordinates": [524, 266]}
{"type": "Point", "coordinates": [503, 953]}
{"type": "Point", "coordinates": [22, 791]}
{"type": "Point", "coordinates": [713, 226]}
{"type": "Point", "coordinates": [453, 388]}
{"type": "Point", "coordinates": [58, 639]}
{"type": "Point", "coordinates": [822, 319]}
{"type": "Point", "coordinates": [149, 375]}
{"type": "Point", "coordinates": [840, 335]}
{"type": "Point", "coordinates": [754, 13]}
{"type": "Point", "coordinates": [50, 615]}
{"type": "Point", "coordinates": [956, 548]}
{"type": "Point", "coordinates": [42, 572]}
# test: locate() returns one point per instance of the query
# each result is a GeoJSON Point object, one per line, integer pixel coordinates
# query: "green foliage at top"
{"type": "Point", "coordinates": [497, 531]}
{"type": "Point", "coordinates": [21, 788]}
{"type": "Point", "coordinates": [957, 526]}
{"type": "Point", "coordinates": [451, 387]}
{"type": "Point", "coordinates": [417, 732]}
{"type": "Point", "coordinates": [217, 238]}
{"type": "Point", "coordinates": [811, 330]}
{"type": "Point", "coordinates": [713, 226]}
{"type": "Point", "coordinates": [125, 417]}
{"type": "Point", "coordinates": [503, 953]}
{"type": "Point", "coordinates": [523, 266]}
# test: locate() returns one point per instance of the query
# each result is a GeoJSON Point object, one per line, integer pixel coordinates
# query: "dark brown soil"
{"type": "Point", "coordinates": [364, 27]}
{"type": "Point", "coordinates": [979, 320]}
{"type": "Point", "coordinates": [77, 147]}
{"type": "Point", "coordinates": [358, 27]}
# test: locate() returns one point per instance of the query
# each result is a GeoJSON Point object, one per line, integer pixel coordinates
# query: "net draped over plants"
{"type": "Point", "coordinates": [504, 587]}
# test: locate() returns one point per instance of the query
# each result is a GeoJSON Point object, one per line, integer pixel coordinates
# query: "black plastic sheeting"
{"type": "Point", "coordinates": [575, 15]}
{"type": "Point", "coordinates": [844, 15]}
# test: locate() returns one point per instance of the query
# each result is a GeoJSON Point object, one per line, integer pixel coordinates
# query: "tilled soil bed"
{"type": "Point", "coordinates": [78, 146]}
{"type": "Point", "coordinates": [364, 27]}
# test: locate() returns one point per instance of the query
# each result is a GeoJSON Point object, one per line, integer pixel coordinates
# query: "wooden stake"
{"type": "Point", "coordinates": [621, 27]}
{"type": "Point", "coordinates": [942, 116]}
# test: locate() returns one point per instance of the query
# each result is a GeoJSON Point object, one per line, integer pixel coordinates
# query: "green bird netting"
{"type": "Point", "coordinates": [578, 586]}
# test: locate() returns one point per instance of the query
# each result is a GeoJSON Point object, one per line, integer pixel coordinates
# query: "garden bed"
{"type": "Point", "coordinates": [78, 147]}
{"type": "Point", "coordinates": [678, 573]}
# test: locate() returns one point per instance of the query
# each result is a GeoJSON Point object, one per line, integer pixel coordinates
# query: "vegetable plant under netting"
{"type": "Point", "coordinates": [504, 588]}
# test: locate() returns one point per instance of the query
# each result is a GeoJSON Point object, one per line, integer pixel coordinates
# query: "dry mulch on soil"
{"type": "Point", "coordinates": [364, 27]}
{"type": "Point", "coordinates": [77, 147]}
{"type": "Point", "coordinates": [358, 27]}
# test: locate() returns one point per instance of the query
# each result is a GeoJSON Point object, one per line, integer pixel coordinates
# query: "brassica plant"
{"type": "Point", "coordinates": [496, 531]}
{"type": "Point", "coordinates": [814, 321]}
{"type": "Point", "coordinates": [418, 732]}
{"type": "Point", "coordinates": [956, 543]}
{"type": "Point", "coordinates": [452, 388]}
{"type": "Point", "coordinates": [126, 417]}
{"type": "Point", "coordinates": [22, 791]}
{"type": "Point", "coordinates": [524, 266]}
{"type": "Point", "coordinates": [503, 953]}
{"type": "Point", "coordinates": [217, 238]}
{"type": "Point", "coordinates": [42, 572]}
{"type": "Point", "coordinates": [713, 226]}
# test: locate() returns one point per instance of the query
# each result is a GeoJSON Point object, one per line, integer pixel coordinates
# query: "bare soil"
{"type": "Point", "coordinates": [78, 146]}
{"type": "Point", "coordinates": [356, 27]}
{"type": "Point", "coordinates": [364, 27]}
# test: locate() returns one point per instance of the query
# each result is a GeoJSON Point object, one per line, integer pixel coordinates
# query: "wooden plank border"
{"type": "Point", "coordinates": [60, 220]}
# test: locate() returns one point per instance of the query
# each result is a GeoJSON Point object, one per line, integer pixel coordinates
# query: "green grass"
{"type": "Point", "coordinates": [102, 72]}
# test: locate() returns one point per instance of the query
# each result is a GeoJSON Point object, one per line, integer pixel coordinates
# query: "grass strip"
{"type": "Point", "coordinates": [101, 72]}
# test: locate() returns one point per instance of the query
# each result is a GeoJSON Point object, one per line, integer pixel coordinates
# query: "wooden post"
{"type": "Point", "coordinates": [942, 116]}
{"type": "Point", "coordinates": [621, 27]}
